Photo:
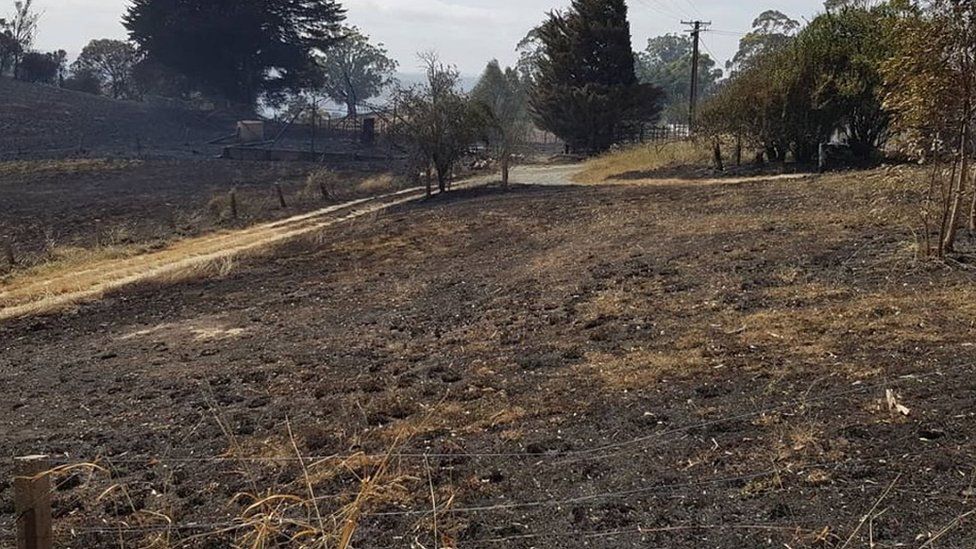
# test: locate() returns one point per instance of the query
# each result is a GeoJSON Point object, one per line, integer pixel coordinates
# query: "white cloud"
{"type": "Point", "coordinates": [424, 11]}
{"type": "Point", "coordinates": [465, 32]}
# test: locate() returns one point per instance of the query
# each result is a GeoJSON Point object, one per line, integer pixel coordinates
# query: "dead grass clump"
{"type": "Point", "coordinates": [321, 185]}
{"type": "Point", "coordinates": [798, 439]}
{"type": "Point", "coordinates": [329, 185]}
{"type": "Point", "coordinates": [645, 158]}
{"type": "Point", "coordinates": [643, 368]}
{"type": "Point", "coordinates": [761, 486]}
{"type": "Point", "coordinates": [217, 268]}
{"type": "Point", "coordinates": [378, 184]}
{"type": "Point", "coordinates": [225, 206]}
{"type": "Point", "coordinates": [59, 258]}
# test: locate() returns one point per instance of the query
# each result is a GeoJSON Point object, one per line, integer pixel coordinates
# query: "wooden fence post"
{"type": "Point", "coordinates": [233, 203]}
{"type": "Point", "coordinates": [32, 503]}
{"type": "Point", "coordinates": [281, 196]}
{"type": "Point", "coordinates": [8, 254]}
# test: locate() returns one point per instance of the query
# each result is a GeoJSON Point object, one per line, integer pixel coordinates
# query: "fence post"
{"type": "Point", "coordinates": [233, 203]}
{"type": "Point", "coordinates": [281, 196]}
{"type": "Point", "coordinates": [32, 503]}
{"type": "Point", "coordinates": [8, 254]}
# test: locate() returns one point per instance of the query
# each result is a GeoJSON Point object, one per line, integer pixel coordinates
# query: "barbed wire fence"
{"type": "Point", "coordinates": [29, 499]}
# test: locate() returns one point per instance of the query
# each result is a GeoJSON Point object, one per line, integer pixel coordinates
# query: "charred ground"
{"type": "Point", "coordinates": [669, 365]}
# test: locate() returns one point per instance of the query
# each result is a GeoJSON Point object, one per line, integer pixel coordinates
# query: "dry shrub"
{"type": "Point", "coordinates": [321, 184]}
{"type": "Point", "coordinates": [378, 184]}
{"type": "Point", "coordinates": [219, 206]}
{"type": "Point", "coordinates": [330, 185]}
{"type": "Point", "coordinates": [645, 158]}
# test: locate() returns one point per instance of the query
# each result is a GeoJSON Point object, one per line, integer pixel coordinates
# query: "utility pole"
{"type": "Point", "coordinates": [696, 30]}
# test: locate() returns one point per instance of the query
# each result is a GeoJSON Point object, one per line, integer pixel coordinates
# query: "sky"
{"type": "Point", "coordinates": [465, 33]}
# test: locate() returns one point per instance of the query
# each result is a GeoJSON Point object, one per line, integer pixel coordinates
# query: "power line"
{"type": "Point", "coordinates": [710, 52]}
{"type": "Point", "coordinates": [729, 32]}
{"type": "Point", "coordinates": [677, 8]}
{"type": "Point", "coordinates": [660, 8]}
{"type": "Point", "coordinates": [694, 8]}
{"type": "Point", "coordinates": [660, 489]}
{"type": "Point", "coordinates": [663, 488]}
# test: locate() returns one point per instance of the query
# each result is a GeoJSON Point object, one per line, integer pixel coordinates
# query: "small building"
{"type": "Point", "coordinates": [250, 131]}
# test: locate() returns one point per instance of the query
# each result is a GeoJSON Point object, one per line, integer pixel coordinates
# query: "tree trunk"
{"type": "Point", "coordinates": [506, 166]}
{"type": "Point", "coordinates": [946, 201]}
{"type": "Point", "coordinates": [441, 180]}
{"type": "Point", "coordinates": [719, 165]}
{"type": "Point", "coordinates": [428, 176]}
{"type": "Point", "coordinates": [351, 110]}
{"type": "Point", "coordinates": [972, 209]}
{"type": "Point", "coordinates": [949, 242]}
{"type": "Point", "coordinates": [738, 150]}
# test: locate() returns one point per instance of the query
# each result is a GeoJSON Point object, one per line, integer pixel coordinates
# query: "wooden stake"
{"type": "Point", "coordinates": [281, 196]}
{"type": "Point", "coordinates": [32, 503]}
{"type": "Point", "coordinates": [233, 204]}
{"type": "Point", "coordinates": [8, 253]}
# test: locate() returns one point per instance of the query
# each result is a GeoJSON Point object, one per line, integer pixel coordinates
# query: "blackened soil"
{"type": "Point", "coordinates": [631, 366]}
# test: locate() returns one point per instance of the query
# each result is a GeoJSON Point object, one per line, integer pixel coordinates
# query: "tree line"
{"type": "Point", "coordinates": [234, 52]}
{"type": "Point", "coordinates": [879, 77]}
{"type": "Point", "coordinates": [582, 83]}
{"type": "Point", "coordinates": [871, 74]}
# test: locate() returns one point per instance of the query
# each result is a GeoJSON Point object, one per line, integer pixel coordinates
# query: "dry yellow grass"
{"type": "Point", "coordinates": [642, 158]}
{"type": "Point", "coordinates": [84, 276]}
{"type": "Point", "coordinates": [322, 183]}
{"type": "Point", "coordinates": [376, 184]}
{"type": "Point", "coordinates": [640, 368]}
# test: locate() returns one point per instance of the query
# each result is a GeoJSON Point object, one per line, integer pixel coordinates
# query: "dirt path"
{"type": "Point", "coordinates": [35, 293]}
{"type": "Point", "coordinates": [31, 294]}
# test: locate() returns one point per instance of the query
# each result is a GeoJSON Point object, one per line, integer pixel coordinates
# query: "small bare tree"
{"type": "Point", "coordinates": [23, 27]}
{"type": "Point", "coordinates": [932, 95]}
{"type": "Point", "coordinates": [502, 98]}
{"type": "Point", "coordinates": [435, 122]}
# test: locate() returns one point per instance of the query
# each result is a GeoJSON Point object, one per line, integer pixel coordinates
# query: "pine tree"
{"type": "Point", "coordinates": [238, 50]}
{"type": "Point", "coordinates": [585, 89]}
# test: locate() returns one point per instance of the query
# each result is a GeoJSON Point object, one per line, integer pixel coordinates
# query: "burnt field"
{"type": "Point", "coordinates": [52, 209]}
{"type": "Point", "coordinates": [762, 364]}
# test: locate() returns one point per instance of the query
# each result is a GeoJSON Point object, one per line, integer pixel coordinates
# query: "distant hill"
{"type": "Point", "coordinates": [38, 120]}
{"type": "Point", "coordinates": [44, 121]}
{"type": "Point", "coordinates": [405, 80]}
{"type": "Point", "coordinates": [408, 79]}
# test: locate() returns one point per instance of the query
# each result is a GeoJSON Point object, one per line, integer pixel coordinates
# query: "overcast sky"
{"type": "Point", "coordinates": [466, 33]}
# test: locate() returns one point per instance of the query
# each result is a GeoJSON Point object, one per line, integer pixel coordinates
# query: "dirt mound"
{"type": "Point", "coordinates": [43, 121]}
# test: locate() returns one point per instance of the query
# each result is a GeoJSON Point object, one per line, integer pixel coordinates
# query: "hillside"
{"type": "Point", "coordinates": [40, 121]}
